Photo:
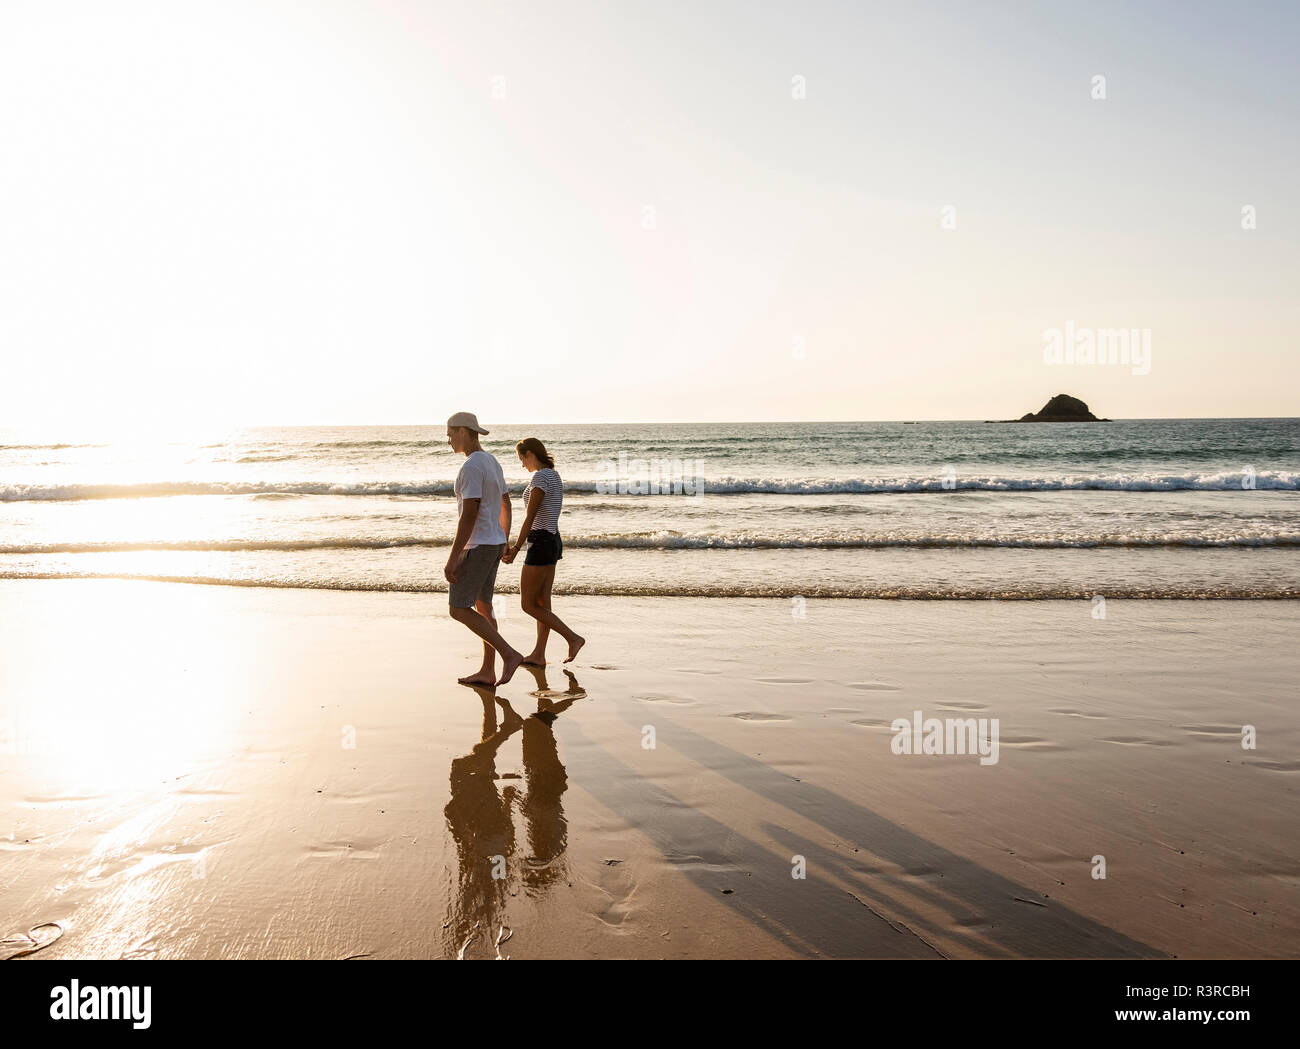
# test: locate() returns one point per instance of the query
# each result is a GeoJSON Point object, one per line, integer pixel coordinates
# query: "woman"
{"type": "Point", "coordinates": [541, 527]}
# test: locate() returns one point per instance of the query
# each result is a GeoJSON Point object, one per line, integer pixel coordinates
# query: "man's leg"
{"type": "Point", "coordinates": [489, 667]}
{"type": "Point", "coordinates": [487, 630]}
{"type": "Point", "coordinates": [470, 602]}
{"type": "Point", "coordinates": [510, 658]}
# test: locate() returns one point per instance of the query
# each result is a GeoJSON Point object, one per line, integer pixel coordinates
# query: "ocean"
{"type": "Point", "coordinates": [1168, 508]}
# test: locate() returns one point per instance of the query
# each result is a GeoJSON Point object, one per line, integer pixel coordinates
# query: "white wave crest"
{"type": "Point", "coordinates": [1265, 480]}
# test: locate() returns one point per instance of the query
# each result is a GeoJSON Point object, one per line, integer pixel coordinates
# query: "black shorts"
{"type": "Point", "coordinates": [544, 548]}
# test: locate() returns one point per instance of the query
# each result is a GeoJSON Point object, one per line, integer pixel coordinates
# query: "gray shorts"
{"type": "Point", "coordinates": [477, 576]}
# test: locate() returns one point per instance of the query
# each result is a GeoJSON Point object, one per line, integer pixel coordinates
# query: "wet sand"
{"type": "Point", "coordinates": [225, 772]}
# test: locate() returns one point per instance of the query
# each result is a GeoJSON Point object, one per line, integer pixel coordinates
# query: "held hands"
{"type": "Point", "coordinates": [508, 554]}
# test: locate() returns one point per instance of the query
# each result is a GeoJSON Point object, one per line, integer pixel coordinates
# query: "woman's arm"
{"type": "Point", "coordinates": [535, 498]}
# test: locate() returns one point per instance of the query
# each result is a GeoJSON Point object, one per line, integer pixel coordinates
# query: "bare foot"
{"type": "Point", "coordinates": [477, 679]}
{"type": "Point", "coordinates": [534, 660]}
{"type": "Point", "coordinates": [574, 647]}
{"type": "Point", "coordinates": [508, 667]}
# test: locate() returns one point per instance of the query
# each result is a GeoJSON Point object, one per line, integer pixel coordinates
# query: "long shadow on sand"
{"type": "Point", "coordinates": [989, 913]}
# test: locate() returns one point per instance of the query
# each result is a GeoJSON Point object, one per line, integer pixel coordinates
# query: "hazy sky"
{"type": "Point", "coordinates": [276, 211]}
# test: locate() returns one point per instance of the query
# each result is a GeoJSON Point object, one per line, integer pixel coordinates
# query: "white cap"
{"type": "Point", "coordinates": [466, 419]}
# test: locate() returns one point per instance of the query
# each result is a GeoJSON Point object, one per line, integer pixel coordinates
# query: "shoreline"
{"type": "Point", "coordinates": [707, 593]}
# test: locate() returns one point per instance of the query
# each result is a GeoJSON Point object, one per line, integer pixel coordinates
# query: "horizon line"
{"type": "Point", "coordinates": [222, 427]}
{"type": "Point", "coordinates": [796, 422]}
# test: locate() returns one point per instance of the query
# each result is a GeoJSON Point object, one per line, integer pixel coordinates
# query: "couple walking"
{"type": "Point", "coordinates": [482, 531]}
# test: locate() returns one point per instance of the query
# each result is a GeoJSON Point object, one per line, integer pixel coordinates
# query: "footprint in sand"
{"type": "Point", "coordinates": [1277, 766]}
{"type": "Point", "coordinates": [1028, 743]}
{"type": "Point", "coordinates": [784, 680]}
{"type": "Point", "coordinates": [869, 722]}
{"type": "Point", "coordinates": [604, 666]}
{"type": "Point", "coordinates": [35, 939]}
{"type": "Point", "coordinates": [61, 799]}
{"type": "Point", "coordinates": [616, 883]}
{"type": "Point", "coordinates": [874, 686]}
{"type": "Point", "coordinates": [962, 706]}
{"type": "Point", "coordinates": [558, 693]}
{"type": "Point", "coordinates": [754, 715]}
{"type": "Point", "coordinates": [1079, 714]}
{"type": "Point", "coordinates": [344, 850]}
{"type": "Point", "coordinates": [660, 697]}
{"type": "Point", "coordinates": [1136, 741]}
{"type": "Point", "coordinates": [1218, 731]}
{"type": "Point", "coordinates": [923, 873]}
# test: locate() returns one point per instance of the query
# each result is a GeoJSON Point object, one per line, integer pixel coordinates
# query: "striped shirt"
{"type": "Point", "coordinates": [552, 488]}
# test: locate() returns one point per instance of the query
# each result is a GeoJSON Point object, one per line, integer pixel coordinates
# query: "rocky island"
{"type": "Point", "coordinates": [1060, 409]}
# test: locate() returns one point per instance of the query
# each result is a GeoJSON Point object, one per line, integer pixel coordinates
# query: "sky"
{"type": "Point", "coordinates": [346, 212]}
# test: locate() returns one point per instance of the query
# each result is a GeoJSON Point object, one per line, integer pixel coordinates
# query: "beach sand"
{"type": "Point", "coordinates": [225, 772]}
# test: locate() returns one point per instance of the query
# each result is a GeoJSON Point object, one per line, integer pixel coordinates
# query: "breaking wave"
{"type": "Point", "coordinates": [1268, 480]}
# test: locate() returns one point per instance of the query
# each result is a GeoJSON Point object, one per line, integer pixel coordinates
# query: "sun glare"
{"type": "Point", "coordinates": [132, 709]}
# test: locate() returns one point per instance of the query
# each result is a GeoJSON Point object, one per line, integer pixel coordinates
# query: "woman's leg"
{"type": "Point", "coordinates": [531, 600]}
{"type": "Point", "coordinates": [535, 589]}
{"type": "Point", "coordinates": [544, 599]}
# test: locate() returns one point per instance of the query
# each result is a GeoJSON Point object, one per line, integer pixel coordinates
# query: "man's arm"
{"type": "Point", "coordinates": [464, 528]}
{"type": "Point", "coordinates": [505, 514]}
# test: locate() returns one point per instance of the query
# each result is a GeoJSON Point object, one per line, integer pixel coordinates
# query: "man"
{"type": "Point", "coordinates": [483, 506]}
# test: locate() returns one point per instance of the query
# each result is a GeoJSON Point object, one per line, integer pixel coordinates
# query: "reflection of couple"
{"type": "Point", "coordinates": [481, 818]}
{"type": "Point", "coordinates": [483, 506]}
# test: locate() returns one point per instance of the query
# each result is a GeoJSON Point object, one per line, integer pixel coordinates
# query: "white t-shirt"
{"type": "Point", "coordinates": [481, 478]}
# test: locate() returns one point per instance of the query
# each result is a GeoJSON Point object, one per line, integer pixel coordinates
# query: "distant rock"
{"type": "Point", "coordinates": [1061, 409]}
